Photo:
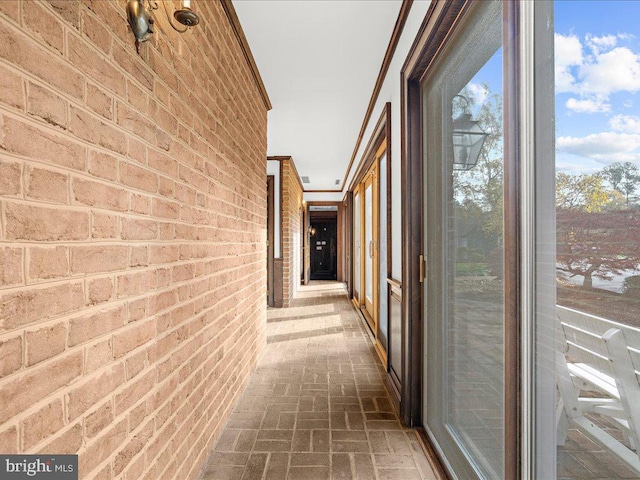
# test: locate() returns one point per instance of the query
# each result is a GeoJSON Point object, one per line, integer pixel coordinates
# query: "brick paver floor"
{"type": "Point", "coordinates": [316, 408]}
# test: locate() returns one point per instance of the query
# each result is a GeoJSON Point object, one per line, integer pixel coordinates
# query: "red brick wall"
{"type": "Point", "coordinates": [291, 231]}
{"type": "Point", "coordinates": [132, 236]}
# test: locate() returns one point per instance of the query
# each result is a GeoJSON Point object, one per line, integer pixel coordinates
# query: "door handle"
{"type": "Point", "coordinates": [371, 247]}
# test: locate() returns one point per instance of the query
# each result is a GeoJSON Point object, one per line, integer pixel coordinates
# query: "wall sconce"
{"type": "Point", "coordinates": [468, 139]}
{"type": "Point", "coordinates": [312, 231]}
{"type": "Point", "coordinates": [141, 19]}
{"type": "Point", "coordinates": [185, 15]}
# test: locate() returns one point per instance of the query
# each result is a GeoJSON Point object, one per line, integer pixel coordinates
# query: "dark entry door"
{"type": "Point", "coordinates": [324, 263]}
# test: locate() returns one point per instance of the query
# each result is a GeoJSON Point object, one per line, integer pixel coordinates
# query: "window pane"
{"type": "Point", "coordinates": [597, 264]}
{"type": "Point", "coordinates": [368, 238]}
{"type": "Point", "coordinates": [357, 253]}
{"type": "Point", "coordinates": [464, 310]}
{"type": "Point", "coordinates": [383, 323]}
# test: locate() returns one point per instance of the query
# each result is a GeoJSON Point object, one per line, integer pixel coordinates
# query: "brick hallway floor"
{"type": "Point", "coordinates": [316, 408]}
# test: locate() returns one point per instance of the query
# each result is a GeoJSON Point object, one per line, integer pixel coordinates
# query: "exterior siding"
{"type": "Point", "coordinates": [132, 236]}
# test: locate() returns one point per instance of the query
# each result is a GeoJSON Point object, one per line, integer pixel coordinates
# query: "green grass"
{"type": "Point", "coordinates": [472, 268]}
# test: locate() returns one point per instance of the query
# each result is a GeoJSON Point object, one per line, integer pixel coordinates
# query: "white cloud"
{"type": "Point", "coordinates": [625, 123]}
{"type": "Point", "coordinates": [606, 147]}
{"type": "Point", "coordinates": [568, 53]}
{"type": "Point", "coordinates": [604, 69]}
{"type": "Point", "coordinates": [478, 92]}
{"type": "Point", "coordinates": [568, 50]}
{"type": "Point", "coordinates": [594, 105]}
{"type": "Point", "coordinates": [613, 71]}
{"type": "Point", "coordinates": [597, 44]}
{"type": "Point", "coordinates": [570, 166]}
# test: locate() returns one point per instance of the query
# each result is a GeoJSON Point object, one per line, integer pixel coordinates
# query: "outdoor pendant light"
{"type": "Point", "coordinates": [468, 139]}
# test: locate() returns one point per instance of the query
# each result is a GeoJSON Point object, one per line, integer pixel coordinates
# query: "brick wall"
{"type": "Point", "coordinates": [291, 230]}
{"type": "Point", "coordinates": [132, 238]}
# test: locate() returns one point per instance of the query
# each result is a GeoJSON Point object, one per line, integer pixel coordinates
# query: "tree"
{"type": "Point", "coordinates": [597, 244]}
{"type": "Point", "coordinates": [623, 177]}
{"type": "Point", "coordinates": [483, 185]}
{"type": "Point", "coordinates": [584, 192]}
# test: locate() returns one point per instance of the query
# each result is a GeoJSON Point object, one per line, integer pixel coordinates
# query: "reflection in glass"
{"type": "Point", "coordinates": [357, 254]}
{"type": "Point", "coordinates": [383, 314]}
{"type": "Point", "coordinates": [475, 303]}
{"type": "Point", "coordinates": [597, 232]}
{"type": "Point", "coordinates": [368, 239]}
{"type": "Point", "coordinates": [464, 227]}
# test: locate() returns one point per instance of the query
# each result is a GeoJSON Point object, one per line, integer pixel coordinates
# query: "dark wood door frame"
{"type": "Point", "coordinates": [441, 18]}
{"type": "Point", "coordinates": [348, 239]}
{"type": "Point", "coordinates": [270, 241]}
{"type": "Point", "coordinates": [326, 223]}
{"type": "Point", "coordinates": [340, 234]}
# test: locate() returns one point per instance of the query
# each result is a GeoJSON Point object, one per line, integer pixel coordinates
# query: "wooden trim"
{"type": "Point", "coordinates": [412, 249]}
{"type": "Point", "coordinates": [432, 35]}
{"type": "Point", "coordinates": [270, 240]}
{"type": "Point", "coordinates": [433, 459]}
{"type": "Point", "coordinates": [440, 18]}
{"type": "Point", "coordinates": [357, 193]}
{"type": "Point", "coordinates": [393, 283]}
{"type": "Point", "coordinates": [324, 203]}
{"type": "Point", "coordinates": [232, 16]}
{"type": "Point", "coordinates": [283, 158]}
{"type": "Point", "coordinates": [348, 201]}
{"type": "Point", "coordinates": [278, 288]}
{"type": "Point", "coordinates": [306, 261]}
{"type": "Point", "coordinates": [382, 354]}
{"type": "Point", "coordinates": [403, 15]}
{"type": "Point", "coordinates": [281, 182]}
{"type": "Point", "coordinates": [512, 244]}
{"type": "Point", "coordinates": [303, 238]}
{"type": "Point", "coordinates": [371, 178]}
{"type": "Point", "coordinates": [339, 242]}
{"type": "Point", "coordinates": [376, 139]}
{"type": "Point", "coordinates": [323, 191]}
{"type": "Point", "coordinates": [389, 192]}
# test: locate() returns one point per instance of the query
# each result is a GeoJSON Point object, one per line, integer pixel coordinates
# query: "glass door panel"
{"type": "Point", "coordinates": [368, 242]}
{"type": "Point", "coordinates": [383, 314]}
{"type": "Point", "coordinates": [464, 289]}
{"type": "Point", "coordinates": [357, 246]}
{"type": "Point", "coordinates": [590, 255]}
{"type": "Point", "coordinates": [370, 246]}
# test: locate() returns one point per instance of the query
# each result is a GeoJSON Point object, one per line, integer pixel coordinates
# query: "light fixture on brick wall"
{"type": "Point", "coordinates": [185, 15]}
{"type": "Point", "coordinates": [141, 19]}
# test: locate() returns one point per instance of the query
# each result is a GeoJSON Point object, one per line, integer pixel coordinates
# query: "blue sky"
{"type": "Point", "coordinates": [597, 84]}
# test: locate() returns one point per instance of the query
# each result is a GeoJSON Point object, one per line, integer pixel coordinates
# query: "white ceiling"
{"type": "Point", "coordinates": [319, 61]}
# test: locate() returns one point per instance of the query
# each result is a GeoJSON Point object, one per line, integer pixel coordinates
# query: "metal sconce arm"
{"type": "Point", "coordinates": [141, 19]}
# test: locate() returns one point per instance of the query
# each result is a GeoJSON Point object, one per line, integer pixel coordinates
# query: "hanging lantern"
{"type": "Point", "coordinates": [468, 139]}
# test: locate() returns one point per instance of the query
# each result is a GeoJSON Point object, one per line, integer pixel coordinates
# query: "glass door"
{"type": "Point", "coordinates": [587, 242]}
{"type": "Point", "coordinates": [357, 246]}
{"type": "Point", "coordinates": [464, 309]}
{"type": "Point", "coordinates": [370, 231]}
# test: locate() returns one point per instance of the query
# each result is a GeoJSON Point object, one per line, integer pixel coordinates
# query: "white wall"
{"type": "Point", "coordinates": [390, 92]}
{"type": "Point", "coordinates": [273, 168]}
